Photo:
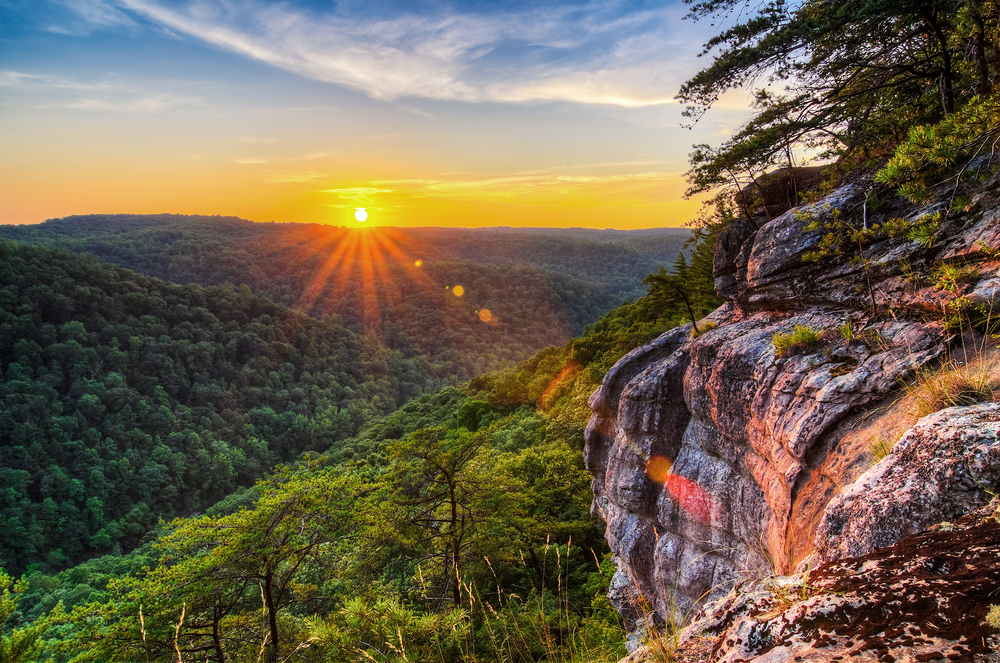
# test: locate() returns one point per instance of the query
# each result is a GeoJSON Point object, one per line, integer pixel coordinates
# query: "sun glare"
{"type": "Point", "coordinates": [372, 265]}
{"type": "Point", "coordinates": [361, 215]}
{"type": "Point", "coordinates": [689, 495]}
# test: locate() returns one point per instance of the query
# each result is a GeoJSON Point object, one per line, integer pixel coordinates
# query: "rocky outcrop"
{"type": "Point", "coordinates": [716, 458]}
{"type": "Point", "coordinates": [937, 472]}
{"type": "Point", "coordinates": [925, 598]}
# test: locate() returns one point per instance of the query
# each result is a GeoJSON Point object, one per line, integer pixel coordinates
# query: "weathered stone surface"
{"type": "Point", "coordinates": [938, 471]}
{"type": "Point", "coordinates": [728, 245]}
{"type": "Point", "coordinates": [984, 235]}
{"type": "Point", "coordinates": [779, 190]}
{"type": "Point", "coordinates": [775, 275]}
{"type": "Point", "coordinates": [925, 598]}
{"type": "Point", "coordinates": [714, 459]}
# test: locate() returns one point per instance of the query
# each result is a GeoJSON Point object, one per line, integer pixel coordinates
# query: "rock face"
{"type": "Point", "coordinates": [923, 599]}
{"type": "Point", "coordinates": [935, 473]}
{"type": "Point", "coordinates": [716, 458]}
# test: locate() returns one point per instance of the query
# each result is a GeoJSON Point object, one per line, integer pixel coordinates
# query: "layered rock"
{"type": "Point", "coordinates": [716, 459]}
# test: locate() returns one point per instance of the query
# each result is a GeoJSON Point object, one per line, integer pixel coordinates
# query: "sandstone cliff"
{"type": "Point", "coordinates": [716, 459]}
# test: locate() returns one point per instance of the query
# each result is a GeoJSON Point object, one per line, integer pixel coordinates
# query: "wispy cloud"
{"type": "Point", "coordinates": [104, 95]}
{"type": "Point", "coordinates": [545, 188]}
{"type": "Point", "coordinates": [359, 194]}
{"type": "Point", "coordinates": [593, 53]}
{"type": "Point", "coordinates": [291, 178]}
{"type": "Point", "coordinates": [98, 12]}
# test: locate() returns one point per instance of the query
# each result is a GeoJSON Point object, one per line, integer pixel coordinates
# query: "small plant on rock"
{"type": "Point", "coordinates": [926, 229]}
{"type": "Point", "coordinates": [706, 326]}
{"type": "Point", "coordinates": [848, 330]}
{"type": "Point", "coordinates": [993, 616]}
{"type": "Point", "coordinates": [911, 274]}
{"type": "Point", "coordinates": [880, 447]}
{"type": "Point", "coordinates": [801, 337]}
{"type": "Point", "coordinates": [951, 277]}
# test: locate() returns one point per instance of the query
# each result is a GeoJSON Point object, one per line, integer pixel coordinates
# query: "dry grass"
{"type": "Point", "coordinates": [880, 447]}
{"type": "Point", "coordinates": [953, 385]}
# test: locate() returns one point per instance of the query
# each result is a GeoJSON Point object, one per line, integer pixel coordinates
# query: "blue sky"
{"type": "Point", "coordinates": [445, 113]}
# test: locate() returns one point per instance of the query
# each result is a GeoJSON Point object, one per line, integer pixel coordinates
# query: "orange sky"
{"type": "Point", "coordinates": [471, 114]}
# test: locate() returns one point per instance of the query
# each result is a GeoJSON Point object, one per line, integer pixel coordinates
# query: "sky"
{"type": "Point", "coordinates": [423, 113]}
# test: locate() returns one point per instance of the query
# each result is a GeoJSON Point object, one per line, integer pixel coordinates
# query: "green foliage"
{"type": "Point", "coordinates": [930, 151]}
{"type": "Point", "coordinates": [456, 528]}
{"type": "Point", "coordinates": [950, 277]}
{"type": "Point", "coordinates": [541, 287]}
{"type": "Point", "coordinates": [126, 399]}
{"type": "Point", "coordinates": [859, 76]}
{"type": "Point", "coordinates": [452, 549]}
{"type": "Point", "coordinates": [925, 232]}
{"type": "Point", "coordinates": [801, 338]}
{"type": "Point", "coordinates": [216, 575]}
{"type": "Point", "coordinates": [847, 330]}
{"type": "Point", "coordinates": [841, 234]}
{"type": "Point", "coordinates": [389, 630]}
{"type": "Point", "coordinates": [17, 643]}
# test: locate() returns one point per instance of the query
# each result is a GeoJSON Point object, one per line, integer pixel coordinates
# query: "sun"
{"type": "Point", "coordinates": [371, 263]}
{"type": "Point", "coordinates": [361, 215]}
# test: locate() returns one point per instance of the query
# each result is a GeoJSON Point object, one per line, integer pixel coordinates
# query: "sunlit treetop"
{"type": "Point", "coordinates": [839, 76]}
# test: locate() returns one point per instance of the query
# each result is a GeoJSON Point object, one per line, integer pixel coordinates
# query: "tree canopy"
{"type": "Point", "coordinates": [836, 76]}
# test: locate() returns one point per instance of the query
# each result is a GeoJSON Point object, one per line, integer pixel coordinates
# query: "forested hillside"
{"type": "Point", "coordinates": [126, 399]}
{"type": "Point", "coordinates": [455, 527]}
{"type": "Point", "coordinates": [520, 291]}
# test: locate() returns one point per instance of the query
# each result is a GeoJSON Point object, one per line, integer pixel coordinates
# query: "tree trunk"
{"type": "Point", "coordinates": [979, 43]}
{"type": "Point", "coordinates": [272, 615]}
{"type": "Point", "coordinates": [947, 75]}
{"type": "Point", "coordinates": [220, 653]}
{"type": "Point", "coordinates": [456, 589]}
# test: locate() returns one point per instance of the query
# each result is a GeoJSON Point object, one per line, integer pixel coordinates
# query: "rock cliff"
{"type": "Point", "coordinates": [718, 458]}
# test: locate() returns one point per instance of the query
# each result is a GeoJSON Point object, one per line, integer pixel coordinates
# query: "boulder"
{"type": "Point", "coordinates": [938, 471]}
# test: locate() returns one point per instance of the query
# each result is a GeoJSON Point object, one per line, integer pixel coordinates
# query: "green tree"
{"type": "Point", "coordinates": [440, 489]}
{"type": "Point", "coordinates": [859, 74]}
{"type": "Point", "coordinates": [23, 643]}
{"type": "Point", "coordinates": [216, 573]}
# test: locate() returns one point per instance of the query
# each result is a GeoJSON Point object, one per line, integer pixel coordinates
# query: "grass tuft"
{"type": "Point", "coordinates": [880, 447]}
{"type": "Point", "coordinates": [949, 386]}
{"type": "Point", "coordinates": [848, 331]}
{"type": "Point", "coordinates": [800, 338]}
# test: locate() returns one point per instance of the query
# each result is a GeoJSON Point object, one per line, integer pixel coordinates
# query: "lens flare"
{"type": "Point", "coordinates": [418, 263]}
{"type": "Point", "coordinates": [485, 315]}
{"type": "Point", "coordinates": [556, 389]}
{"type": "Point", "coordinates": [458, 290]}
{"type": "Point", "coordinates": [693, 498]}
{"type": "Point", "coordinates": [657, 468]}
